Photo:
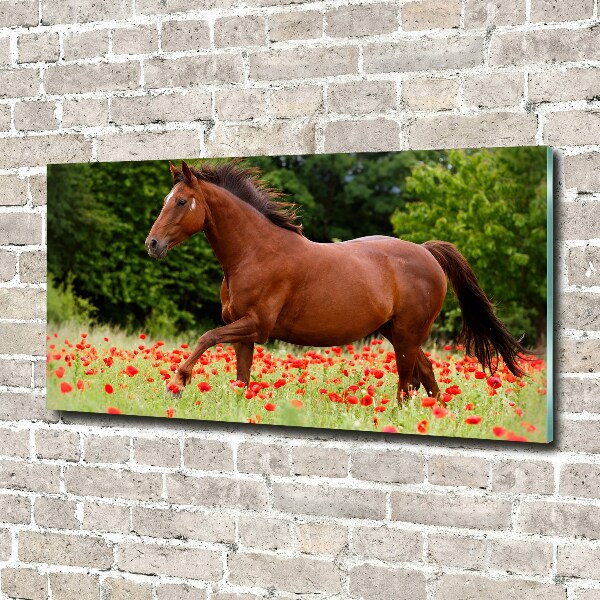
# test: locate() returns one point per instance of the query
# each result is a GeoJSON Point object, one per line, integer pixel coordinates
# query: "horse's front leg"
{"type": "Point", "coordinates": [246, 331]}
{"type": "Point", "coordinates": [243, 355]}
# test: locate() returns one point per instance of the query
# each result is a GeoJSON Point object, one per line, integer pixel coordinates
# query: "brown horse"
{"type": "Point", "coordinates": [280, 285]}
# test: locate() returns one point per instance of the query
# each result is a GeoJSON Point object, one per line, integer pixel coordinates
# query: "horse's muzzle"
{"type": "Point", "coordinates": [157, 249]}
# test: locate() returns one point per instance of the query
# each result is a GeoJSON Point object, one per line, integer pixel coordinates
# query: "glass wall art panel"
{"type": "Point", "coordinates": [391, 292]}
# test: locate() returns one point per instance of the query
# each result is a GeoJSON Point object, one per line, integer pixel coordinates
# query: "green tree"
{"type": "Point", "coordinates": [492, 205]}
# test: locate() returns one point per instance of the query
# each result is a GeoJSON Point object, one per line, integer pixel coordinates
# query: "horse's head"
{"type": "Point", "coordinates": [182, 214]}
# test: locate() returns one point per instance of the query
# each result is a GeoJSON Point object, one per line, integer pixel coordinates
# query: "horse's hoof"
{"type": "Point", "coordinates": [173, 394]}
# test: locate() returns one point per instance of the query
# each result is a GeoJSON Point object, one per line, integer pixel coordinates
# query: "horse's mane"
{"type": "Point", "coordinates": [244, 182]}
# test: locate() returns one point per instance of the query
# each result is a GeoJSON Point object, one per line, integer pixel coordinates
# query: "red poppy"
{"type": "Point", "coordinates": [454, 390]}
{"type": "Point", "coordinates": [473, 420]}
{"type": "Point", "coordinates": [389, 429]}
{"type": "Point", "coordinates": [439, 412]}
{"type": "Point", "coordinates": [59, 372]}
{"type": "Point", "coordinates": [469, 406]}
{"type": "Point", "coordinates": [352, 400]}
{"type": "Point", "coordinates": [65, 387]}
{"type": "Point", "coordinates": [108, 388]}
{"type": "Point", "coordinates": [494, 382]}
{"type": "Point", "coordinates": [511, 436]}
{"type": "Point", "coordinates": [427, 402]}
{"type": "Point", "coordinates": [204, 386]}
{"type": "Point", "coordinates": [131, 370]}
{"type": "Point", "coordinates": [270, 407]}
{"type": "Point", "coordinates": [422, 426]}
{"type": "Point", "coordinates": [111, 410]}
{"type": "Point", "coordinates": [378, 373]}
{"type": "Point", "coordinates": [498, 431]}
{"type": "Point", "coordinates": [80, 385]}
{"type": "Point", "coordinates": [297, 403]}
{"type": "Point", "coordinates": [366, 400]}
{"type": "Point", "coordinates": [142, 336]}
{"type": "Point", "coordinates": [170, 412]}
{"type": "Point", "coordinates": [479, 375]}
{"type": "Point", "coordinates": [173, 388]}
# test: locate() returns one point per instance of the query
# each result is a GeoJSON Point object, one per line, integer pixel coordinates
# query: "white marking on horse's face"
{"type": "Point", "coordinates": [168, 198]}
{"type": "Point", "coordinates": [193, 207]}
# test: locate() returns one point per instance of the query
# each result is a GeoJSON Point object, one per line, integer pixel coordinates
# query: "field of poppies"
{"type": "Point", "coordinates": [352, 387]}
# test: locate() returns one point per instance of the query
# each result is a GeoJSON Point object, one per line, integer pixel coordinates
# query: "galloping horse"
{"type": "Point", "coordinates": [280, 285]}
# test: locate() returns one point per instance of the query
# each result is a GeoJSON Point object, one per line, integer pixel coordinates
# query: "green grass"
{"type": "Point", "coordinates": [318, 374]}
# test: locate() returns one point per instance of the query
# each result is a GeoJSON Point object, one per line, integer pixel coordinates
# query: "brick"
{"type": "Point", "coordinates": [582, 480]}
{"type": "Point", "coordinates": [189, 106]}
{"type": "Point", "coordinates": [8, 266]}
{"type": "Point", "coordinates": [321, 538]}
{"type": "Point", "coordinates": [5, 123]}
{"type": "Point", "coordinates": [385, 543]}
{"type": "Point", "coordinates": [564, 85]}
{"type": "Point", "coordinates": [280, 137]}
{"type": "Point", "coordinates": [37, 187]}
{"type": "Point", "coordinates": [382, 583]}
{"type": "Point", "coordinates": [123, 589]}
{"type": "Point", "coordinates": [154, 7]}
{"type": "Point", "coordinates": [330, 501]}
{"type": "Point", "coordinates": [136, 146]}
{"type": "Point", "coordinates": [578, 395]}
{"type": "Point", "coordinates": [23, 303]}
{"type": "Point", "coordinates": [362, 136]}
{"type": "Point", "coordinates": [264, 534]}
{"type": "Point", "coordinates": [57, 444]}
{"type": "Point", "coordinates": [492, 129]}
{"type": "Point", "coordinates": [22, 338]}
{"type": "Point", "coordinates": [578, 561]}
{"type": "Point", "coordinates": [103, 483]}
{"type": "Point", "coordinates": [523, 477]}
{"type": "Point", "coordinates": [160, 452]}
{"type": "Point", "coordinates": [5, 545]}
{"type": "Point", "coordinates": [360, 21]}
{"type": "Point", "coordinates": [74, 586]}
{"type": "Point", "coordinates": [544, 46]}
{"type": "Point", "coordinates": [547, 11]}
{"type": "Point", "coordinates": [14, 443]}
{"type": "Point", "coordinates": [39, 374]}
{"type": "Point", "coordinates": [361, 97]}
{"type": "Point", "coordinates": [578, 220]}
{"type": "Point", "coordinates": [85, 44]}
{"type": "Point", "coordinates": [57, 513]}
{"type": "Point", "coordinates": [297, 101]}
{"type": "Point", "coordinates": [15, 373]}
{"type": "Point", "coordinates": [487, 13]}
{"type": "Point", "coordinates": [181, 591]}
{"type": "Point", "coordinates": [572, 127]}
{"type": "Point", "coordinates": [297, 63]}
{"type": "Point", "coordinates": [19, 83]}
{"type": "Point", "coordinates": [267, 459]}
{"type": "Point", "coordinates": [29, 477]}
{"type": "Point", "coordinates": [406, 56]}
{"type": "Point", "coordinates": [106, 517]}
{"type": "Point", "coordinates": [430, 14]}
{"type": "Point", "coordinates": [68, 550]}
{"type": "Point", "coordinates": [578, 356]}
{"type": "Point", "coordinates": [475, 587]}
{"type": "Point", "coordinates": [320, 462]}
{"type": "Point", "coordinates": [5, 52]}
{"type": "Point", "coordinates": [24, 583]}
{"type": "Point", "coordinates": [388, 466]}
{"type": "Point", "coordinates": [588, 594]}
{"type": "Point", "coordinates": [580, 171]}
{"type": "Point", "coordinates": [240, 31]}
{"type": "Point", "coordinates": [20, 229]}
{"type": "Point", "coordinates": [185, 35]}
{"type": "Point", "coordinates": [189, 563]}
{"type": "Point", "coordinates": [141, 39]}
{"type": "Point", "coordinates": [241, 105]}
{"type": "Point", "coordinates": [37, 47]}
{"type": "Point", "coordinates": [106, 449]}
{"type": "Point", "coordinates": [459, 470]}
{"type": "Point", "coordinates": [430, 94]}
{"type": "Point", "coordinates": [523, 557]}
{"type": "Point", "coordinates": [456, 551]}
{"type": "Point", "coordinates": [183, 72]}
{"type": "Point", "coordinates": [235, 596]}
{"type": "Point", "coordinates": [452, 511]}
{"type": "Point", "coordinates": [15, 509]}
{"type": "Point", "coordinates": [208, 455]}
{"type": "Point", "coordinates": [30, 407]}
{"type": "Point", "coordinates": [169, 524]}
{"type": "Point", "coordinates": [84, 11]}
{"type": "Point", "coordinates": [73, 79]}
{"type": "Point", "coordinates": [22, 13]}
{"type": "Point", "coordinates": [35, 116]}
{"type": "Point", "coordinates": [489, 91]}
{"type": "Point", "coordinates": [566, 518]}
{"type": "Point", "coordinates": [13, 190]}
{"type": "Point", "coordinates": [578, 311]}
{"type": "Point", "coordinates": [217, 491]}
{"type": "Point", "coordinates": [88, 112]}
{"type": "Point", "coordinates": [41, 150]}
{"type": "Point", "coordinates": [301, 25]}
{"type": "Point", "coordinates": [301, 574]}
{"type": "Point", "coordinates": [32, 267]}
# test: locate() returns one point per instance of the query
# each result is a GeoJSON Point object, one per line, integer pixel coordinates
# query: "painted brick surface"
{"type": "Point", "coordinates": [150, 509]}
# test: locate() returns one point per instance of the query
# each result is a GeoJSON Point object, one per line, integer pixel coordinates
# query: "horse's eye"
{"type": "Point", "coordinates": [181, 201]}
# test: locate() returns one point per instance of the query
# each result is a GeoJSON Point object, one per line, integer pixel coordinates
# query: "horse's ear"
{"type": "Point", "coordinates": [173, 170]}
{"type": "Point", "coordinates": [187, 172]}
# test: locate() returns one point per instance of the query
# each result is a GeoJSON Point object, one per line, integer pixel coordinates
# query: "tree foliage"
{"type": "Point", "coordinates": [492, 205]}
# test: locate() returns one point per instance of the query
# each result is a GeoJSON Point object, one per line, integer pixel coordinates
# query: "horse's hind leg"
{"type": "Point", "coordinates": [243, 354]}
{"type": "Point", "coordinates": [424, 373]}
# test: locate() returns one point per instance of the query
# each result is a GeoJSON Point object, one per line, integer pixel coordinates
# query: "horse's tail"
{"type": "Point", "coordinates": [483, 334]}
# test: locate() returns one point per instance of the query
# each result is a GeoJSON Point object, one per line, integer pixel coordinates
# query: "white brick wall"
{"type": "Point", "coordinates": [98, 507]}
